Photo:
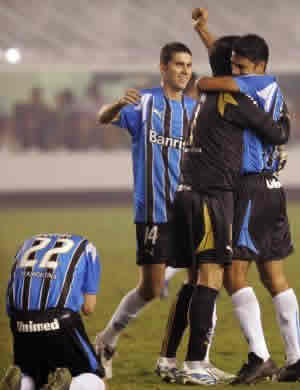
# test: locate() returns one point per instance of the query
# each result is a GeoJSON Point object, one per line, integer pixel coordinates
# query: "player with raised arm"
{"type": "Point", "coordinates": [157, 120]}
{"type": "Point", "coordinates": [261, 227]}
{"type": "Point", "coordinates": [212, 162]}
{"type": "Point", "coordinates": [53, 279]}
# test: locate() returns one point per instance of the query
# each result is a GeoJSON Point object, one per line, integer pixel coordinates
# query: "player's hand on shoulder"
{"type": "Point", "coordinates": [132, 96]}
{"type": "Point", "coordinates": [199, 17]}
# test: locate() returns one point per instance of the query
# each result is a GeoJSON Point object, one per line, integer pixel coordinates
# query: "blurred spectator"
{"type": "Point", "coordinates": [65, 103]}
{"type": "Point", "coordinates": [33, 121]}
{"type": "Point", "coordinates": [7, 132]}
{"type": "Point", "coordinates": [71, 122]}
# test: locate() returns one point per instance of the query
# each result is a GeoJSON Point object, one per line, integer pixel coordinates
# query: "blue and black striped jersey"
{"type": "Point", "coordinates": [265, 91]}
{"type": "Point", "coordinates": [53, 270]}
{"type": "Point", "coordinates": [158, 127]}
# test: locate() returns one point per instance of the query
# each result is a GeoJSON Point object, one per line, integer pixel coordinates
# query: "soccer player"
{"type": "Point", "coordinates": [261, 227]}
{"type": "Point", "coordinates": [157, 120]}
{"type": "Point", "coordinates": [53, 278]}
{"type": "Point", "coordinates": [170, 272]}
{"type": "Point", "coordinates": [204, 203]}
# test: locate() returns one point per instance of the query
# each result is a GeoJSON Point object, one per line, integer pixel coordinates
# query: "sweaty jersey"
{"type": "Point", "coordinates": [53, 270]}
{"type": "Point", "coordinates": [265, 91]}
{"type": "Point", "coordinates": [158, 127]}
{"type": "Point", "coordinates": [213, 156]}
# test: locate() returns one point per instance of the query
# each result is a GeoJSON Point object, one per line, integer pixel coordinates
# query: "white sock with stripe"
{"type": "Point", "coordinates": [129, 308]}
{"type": "Point", "coordinates": [247, 310]}
{"type": "Point", "coordinates": [287, 314]}
{"type": "Point", "coordinates": [170, 272]}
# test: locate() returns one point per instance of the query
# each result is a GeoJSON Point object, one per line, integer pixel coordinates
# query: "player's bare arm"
{"type": "Point", "coordinates": [224, 83]}
{"type": "Point", "coordinates": [89, 304]}
{"type": "Point", "coordinates": [110, 112]}
{"type": "Point", "coordinates": [200, 17]}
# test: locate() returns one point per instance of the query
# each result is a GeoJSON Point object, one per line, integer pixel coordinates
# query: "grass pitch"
{"type": "Point", "coordinates": [113, 233]}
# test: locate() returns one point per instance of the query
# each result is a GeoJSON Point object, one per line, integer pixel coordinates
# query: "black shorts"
{"type": "Point", "coordinates": [44, 341]}
{"type": "Point", "coordinates": [155, 243]}
{"type": "Point", "coordinates": [261, 230]}
{"type": "Point", "coordinates": [202, 228]}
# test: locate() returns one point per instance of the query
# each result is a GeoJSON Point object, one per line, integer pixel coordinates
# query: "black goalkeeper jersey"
{"type": "Point", "coordinates": [213, 154]}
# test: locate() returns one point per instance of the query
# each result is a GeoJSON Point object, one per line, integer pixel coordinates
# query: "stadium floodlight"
{"type": "Point", "coordinates": [12, 55]}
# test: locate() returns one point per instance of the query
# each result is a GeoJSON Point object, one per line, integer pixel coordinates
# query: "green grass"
{"type": "Point", "coordinates": [113, 233]}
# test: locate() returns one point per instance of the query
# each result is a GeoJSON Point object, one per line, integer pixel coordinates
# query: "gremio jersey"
{"type": "Point", "coordinates": [158, 127]}
{"type": "Point", "coordinates": [53, 270]}
{"type": "Point", "coordinates": [265, 90]}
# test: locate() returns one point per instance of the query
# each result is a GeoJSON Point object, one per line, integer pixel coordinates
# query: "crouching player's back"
{"type": "Point", "coordinates": [53, 278]}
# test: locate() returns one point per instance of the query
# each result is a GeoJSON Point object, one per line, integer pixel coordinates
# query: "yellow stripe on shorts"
{"type": "Point", "coordinates": [208, 241]}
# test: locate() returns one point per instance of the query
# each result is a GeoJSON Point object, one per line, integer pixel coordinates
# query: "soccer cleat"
{"type": "Point", "coordinates": [12, 379]}
{"type": "Point", "coordinates": [105, 353]}
{"type": "Point", "coordinates": [166, 370]}
{"type": "Point", "coordinates": [220, 375]}
{"type": "Point", "coordinates": [59, 380]}
{"type": "Point", "coordinates": [289, 373]}
{"type": "Point", "coordinates": [255, 370]}
{"type": "Point", "coordinates": [199, 376]}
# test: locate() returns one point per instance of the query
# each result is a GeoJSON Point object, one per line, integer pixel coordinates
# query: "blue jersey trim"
{"type": "Point", "coordinates": [91, 357]}
{"type": "Point", "coordinates": [245, 238]}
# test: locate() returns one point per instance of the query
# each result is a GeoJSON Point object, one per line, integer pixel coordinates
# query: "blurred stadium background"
{"type": "Point", "coordinates": [60, 60]}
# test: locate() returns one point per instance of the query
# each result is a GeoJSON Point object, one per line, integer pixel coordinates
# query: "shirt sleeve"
{"type": "Point", "coordinates": [130, 118]}
{"type": "Point", "coordinates": [91, 284]}
{"type": "Point", "coordinates": [245, 114]}
{"type": "Point", "coordinates": [244, 87]}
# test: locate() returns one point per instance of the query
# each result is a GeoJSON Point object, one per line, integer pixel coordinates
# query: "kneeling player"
{"type": "Point", "coordinates": [54, 277]}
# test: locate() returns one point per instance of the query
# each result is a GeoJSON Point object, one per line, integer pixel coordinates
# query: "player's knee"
{"type": "Point", "coordinates": [274, 285]}
{"type": "Point", "coordinates": [233, 282]}
{"type": "Point", "coordinates": [148, 293]}
{"type": "Point", "coordinates": [211, 275]}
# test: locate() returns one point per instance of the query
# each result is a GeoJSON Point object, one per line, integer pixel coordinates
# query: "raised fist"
{"type": "Point", "coordinates": [200, 15]}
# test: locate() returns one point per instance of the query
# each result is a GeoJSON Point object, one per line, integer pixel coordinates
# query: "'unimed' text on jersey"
{"type": "Point", "coordinates": [265, 90]}
{"type": "Point", "coordinates": [158, 127]}
{"type": "Point", "coordinates": [53, 270]}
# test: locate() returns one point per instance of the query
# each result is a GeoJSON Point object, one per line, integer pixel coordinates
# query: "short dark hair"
{"type": "Point", "coordinates": [171, 48]}
{"type": "Point", "coordinates": [253, 47]}
{"type": "Point", "coordinates": [220, 56]}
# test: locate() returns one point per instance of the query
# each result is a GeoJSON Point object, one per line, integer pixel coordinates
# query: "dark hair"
{"type": "Point", "coordinates": [169, 49]}
{"type": "Point", "coordinates": [253, 47]}
{"type": "Point", "coordinates": [220, 56]}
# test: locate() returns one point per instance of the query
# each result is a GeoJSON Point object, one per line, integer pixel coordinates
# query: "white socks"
{"type": "Point", "coordinates": [170, 272]}
{"type": "Point", "coordinates": [287, 314]}
{"type": "Point", "coordinates": [27, 383]}
{"type": "Point", "coordinates": [211, 333]}
{"type": "Point", "coordinates": [247, 310]}
{"type": "Point", "coordinates": [87, 382]}
{"type": "Point", "coordinates": [128, 309]}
